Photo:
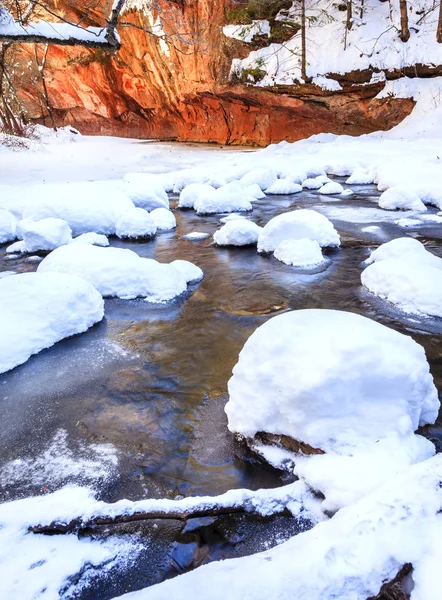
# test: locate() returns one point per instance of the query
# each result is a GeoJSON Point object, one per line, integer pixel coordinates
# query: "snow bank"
{"type": "Point", "coordinates": [262, 177]}
{"type": "Point", "coordinates": [8, 226]}
{"type": "Point", "coordinates": [284, 186]}
{"type": "Point", "coordinates": [117, 272]}
{"type": "Point", "coordinates": [237, 232]}
{"type": "Point", "coordinates": [299, 253]}
{"type": "Point", "coordinates": [246, 33]}
{"type": "Point", "coordinates": [86, 207]}
{"type": "Point", "coordinates": [135, 223]}
{"type": "Point", "coordinates": [372, 381]}
{"type": "Point", "coordinates": [40, 309]}
{"type": "Point", "coordinates": [46, 234]}
{"type": "Point", "coordinates": [164, 219]}
{"type": "Point", "coordinates": [296, 225]}
{"type": "Point", "coordinates": [413, 287]}
{"type": "Point", "coordinates": [401, 198]}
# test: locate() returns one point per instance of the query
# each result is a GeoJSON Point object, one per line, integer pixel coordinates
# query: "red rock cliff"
{"type": "Point", "coordinates": [182, 92]}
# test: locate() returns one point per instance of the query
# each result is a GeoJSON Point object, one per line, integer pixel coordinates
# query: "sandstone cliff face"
{"type": "Point", "coordinates": [180, 90]}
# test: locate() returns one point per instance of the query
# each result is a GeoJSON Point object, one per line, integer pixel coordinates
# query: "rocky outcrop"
{"type": "Point", "coordinates": [179, 89]}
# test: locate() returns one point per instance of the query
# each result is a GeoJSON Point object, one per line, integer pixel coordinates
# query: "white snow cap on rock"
{"type": "Point", "coordinates": [96, 239]}
{"type": "Point", "coordinates": [360, 177]}
{"type": "Point", "coordinates": [191, 193]}
{"type": "Point", "coordinates": [284, 186]}
{"type": "Point", "coordinates": [332, 379]}
{"type": "Point", "coordinates": [315, 183]}
{"type": "Point", "coordinates": [254, 191]}
{"type": "Point", "coordinates": [164, 219]}
{"type": "Point", "coordinates": [331, 188]}
{"type": "Point", "coordinates": [237, 232]}
{"type": "Point", "coordinates": [8, 226]}
{"type": "Point", "coordinates": [145, 190]}
{"type": "Point", "coordinates": [407, 249]}
{"type": "Point", "coordinates": [117, 272]}
{"type": "Point", "coordinates": [86, 207]}
{"type": "Point", "coordinates": [295, 225]}
{"type": "Point", "coordinates": [40, 309]}
{"type": "Point", "coordinates": [299, 253]}
{"type": "Point", "coordinates": [188, 270]}
{"type": "Point", "coordinates": [413, 287]}
{"type": "Point", "coordinates": [46, 234]}
{"type": "Point", "coordinates": [135, 223]}
{"type": "Point", "coordinates": [401, 198]}
{"type": "Point", "coordinates": [222, 200]}
{"type": "Point", "coordinates": [262, 177]}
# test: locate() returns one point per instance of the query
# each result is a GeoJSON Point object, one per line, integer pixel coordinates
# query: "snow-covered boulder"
{"type": "Point", "coordinates": [313, 183]}
{"type": "Point", "coordinates": [254, 191]}
{"type": "Point", "coordinates": [145, 190]}
{"type": "Point", "coordinates": [262, 177]}
{"type": "Point", "coordinates": [86, 207]}
{"type": "Point", "coordinates": [296, 225]}
{"type": "Point", "coordinates": [397, 197]}
{"type": "Point", "coordinates": [188, 270]}
{"type": "Point", "coordinates": [135, 223]}
{"type": "Point", "coordinates": [406, 249]}
{"type": "Point", "coordinates": [96, 239]}
{"type": "Point", "coordinates": [360, 177]}
{"type": "Point", "coordinates": [16, 248]}
{"type": "Point", "coordinates": [284, 186]}
{"type": "Point", "coordinates": [299, 253]}
{"type": "Point", "coordinates": [195, 236]}
{"type": "Point", "coordinates": [191, 193]}
{"type": "Point", "coordinates": [237, 232]}
{"type": "Point", "coordinates": [46, 234]}
{"type": "Point", "coordinates": [8, 226]}
{"type": "Point", "coordinates": [222, 201]}
{"type": "Point", "coordinates": [331, 379]}
{"type": "Point", "coordinates": [40, 309]}
{"type": "Point", "coordinates": [164, 219]}
{"type": "Point", "coordinates": [413, 287]}
{"type": "Point", "coordinates": [331, 188]}
{"type": "Point", "coordinates": [117, 272]}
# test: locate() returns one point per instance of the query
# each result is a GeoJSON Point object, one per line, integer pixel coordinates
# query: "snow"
{"type": "Point", "coordinates": [284, 186]}
{"type": "Point", "coordinates": [349, 556]}
{"type": "Point", "coordinates": [164, 219]}
{"type": "Point", "coordinates": [397, 197]}
{"type": "Point", "coordinates": [299, 253]}
{"type": "Point", "coordinates": [96, 239]}
{"type": "Point", "coordinates": [40, 309]}
{"type": "Point", "coordinates": [86, 207]}
{"type": "Point", "coordinates": [295, 225]}
{"type": "Point", "coordinates": [117, 272]}
{"type": "Point", "coordinates": [407, 249]}
{"type": "Point", "coordinates": [190, 193]}
{"type": "Point", "coordinates": [262, 177]}
{"type": "Point", "coordinates": [55, 31]}
{"type": "Point", "coordinates": [188, 270]}
{"type": "Point", "coordinates": [19, 247]}
{"type": "Point", "coordinates": [359, 177]}
{"type": "Point", "coordinates": [46, 234]}
{"type": "Point", "coordinates": [145, 190]}
{"type": "Point", "coordinates": [254, 191]}
{"type": "Point", "coordinates": [195, 236]}
{"type": "Point", "coordinates": [314, 183]}
{"type": "Point", "coordinates": [221, 200]}
{"type": "Point", "coordinates": [237, 232]}
{"type": "Point", "coordinates": [8, 226]}
{"type": "Point", "coordinates": [413, 287]}
{"type": "Point", "coordinates": [246, 33]}
{"type": "Point", "coordinates": [373, 381]}
{"type": "Point", "coordinates": [135, 223]}
{"type": "Point", "coordinates": [333, 187]}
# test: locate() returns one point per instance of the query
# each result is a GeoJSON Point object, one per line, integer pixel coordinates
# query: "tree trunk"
{"type": "Point", "coordinates": [439, 25]}
{"type": "Point", "coordinates": [303, 43]}
{"type": "Point", "coordinates": [405, 32]}
{"type": "Point", "coordinates": [349, 22]}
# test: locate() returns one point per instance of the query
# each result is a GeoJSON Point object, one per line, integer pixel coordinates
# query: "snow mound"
{"type": "Point", "coordinates": [262, 177]}
{"type": "Point", "coordinates": [145, 190]}
{"type": "Point", "coordinates": [190, 194]}
{"type": "Point", "coordinates": [117, 272]}
{"type": "Point", "coordinates": [40, 309]}
{"type": "Point", "coordinates": [360, 177]}
{"type": "Point", "coordinates": [331, 188]}
{"type": "Point", "coordinates": [85, 207]}
{"type": "Point", "coordinates": [8, 226]}
{"type": "Point", "coordinates": [284, 186]}
{"type": "Point", "coordinates": [237, 232]}
{"type": "Point", "coordinates": [299, 253]}
{"type": "Point", "coordinates": [135, 223]}
{"type": "Point", "coordinates": [188, 270]}
{"type": "Point", "coordinates": [315, 183]}
{"type": "Point", "coordinates": [401, 198]}
{"type": "Point", "coordinates": [46, 234]}
{"type": "Point", "coordinates": [296, 225]}
{"type": "Point", "coordinates": [164, 219]}
{"type": "Point", "coordinates": [372, 381]}
{"type": "Point", "coordinates": [222, 200]}
{"type": "Point", "coordinates": [16, 247]}
{"type": "Point", "coordinates": [254, 191]}
{"type": "Point", "coordinates": [407, 249]}
{"type": "Point", "coordinates": [413, 287]}
{"type": "Point", "coordinates": [96, 239]}
{"type": "Point", "coordinates": [195, 236]}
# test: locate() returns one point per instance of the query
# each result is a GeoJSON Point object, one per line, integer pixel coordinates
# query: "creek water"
{"type": "Point", "coordinates": [151, 382]}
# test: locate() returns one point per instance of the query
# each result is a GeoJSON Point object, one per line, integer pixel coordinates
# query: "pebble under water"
{"type": "Point", "coordinates": [134, 407]}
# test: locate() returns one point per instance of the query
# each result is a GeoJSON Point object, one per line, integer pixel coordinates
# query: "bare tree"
{"type": "Point", "coordinates": [303, 42]}
{"type": "Point", "coordinates": [439, 25]}
{"type": "Point", "coordinates": [405, 32]}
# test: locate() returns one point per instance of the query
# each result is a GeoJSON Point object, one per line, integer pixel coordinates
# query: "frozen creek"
{"type": "Point", "coordinates": [150, 382]}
